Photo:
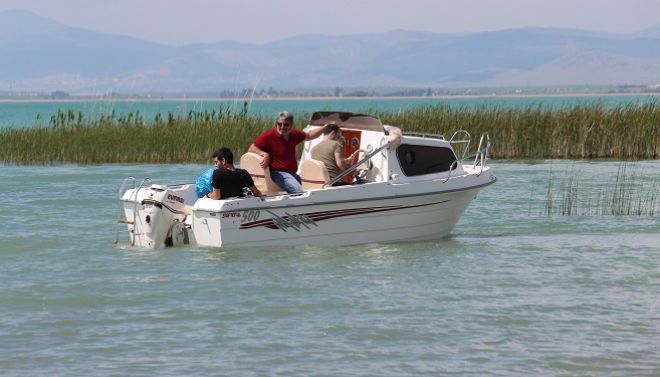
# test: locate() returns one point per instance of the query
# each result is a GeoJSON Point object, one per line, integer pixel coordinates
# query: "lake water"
{"type": "Point", "coordinates": [511, 291]}
{"type": "Point", "coordinates": [30, 114]}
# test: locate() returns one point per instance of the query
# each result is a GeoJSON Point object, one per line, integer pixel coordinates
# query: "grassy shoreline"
{"type": "Point", "coordinates": [591, 131]}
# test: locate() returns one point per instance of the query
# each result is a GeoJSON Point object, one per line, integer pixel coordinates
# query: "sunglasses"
{"type": "Point", "coordinates": [283, 124]}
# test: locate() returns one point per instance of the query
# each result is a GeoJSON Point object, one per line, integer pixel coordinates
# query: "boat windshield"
{"type": "Point", "coordinates": [347, 120]}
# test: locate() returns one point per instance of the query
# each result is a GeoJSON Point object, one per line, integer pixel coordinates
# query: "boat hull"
{"type": "Point", "coordinates": [430, 217]}
{"type": "Point", "coordinates": [347, 215]}
{"type": "Point", "coordinates": [388, 219]}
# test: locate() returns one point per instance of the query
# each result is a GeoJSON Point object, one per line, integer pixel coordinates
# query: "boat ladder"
{"type": "Point", "coordinates": [121, 217]}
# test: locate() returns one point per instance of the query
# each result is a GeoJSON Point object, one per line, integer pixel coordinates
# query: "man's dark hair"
{"type": "Point", "coordinates": [224, 153]}
{"type": "Point", "coordinates": [329, 128]}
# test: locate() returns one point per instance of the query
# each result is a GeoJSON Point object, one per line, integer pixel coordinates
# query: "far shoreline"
{"type": "Point", "coordinates": [326, 98]}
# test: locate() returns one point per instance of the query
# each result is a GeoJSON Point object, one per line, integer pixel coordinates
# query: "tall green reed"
{"type": "Point", "coordinates": [129, 138]}
{"type": "Point", "coordinates": [582, 131]}
{"type": "Point", "coordinates": [629, 192]}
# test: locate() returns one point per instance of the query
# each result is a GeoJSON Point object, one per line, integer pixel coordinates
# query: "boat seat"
{"type": "Point", "coordinates": [314, 174]}
{"type": "Point", "coordinates": [260, 176]}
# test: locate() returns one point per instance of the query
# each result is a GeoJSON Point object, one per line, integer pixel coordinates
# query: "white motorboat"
{"type": "Point", "coordinates": [405, 187]}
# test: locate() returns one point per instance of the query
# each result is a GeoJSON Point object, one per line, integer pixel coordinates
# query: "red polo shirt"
{"type": "Point", "coordinates": [282, 152]}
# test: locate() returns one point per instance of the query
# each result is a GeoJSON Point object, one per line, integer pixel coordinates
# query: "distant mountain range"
{"type": "Point", "coordinates": [44, 55]}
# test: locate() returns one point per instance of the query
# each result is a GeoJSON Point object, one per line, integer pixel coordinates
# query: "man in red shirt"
{"type": "Point", "coordinates": [277, 147]}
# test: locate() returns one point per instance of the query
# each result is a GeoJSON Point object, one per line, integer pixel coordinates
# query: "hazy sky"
{"type": "Point", "coordinates": [190, 21]}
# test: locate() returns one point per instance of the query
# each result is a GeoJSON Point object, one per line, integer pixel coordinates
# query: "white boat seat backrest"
{"type": "Point", "coordinates": [260, 176]}
{"type": "Point", "coordinates": [314, 174]}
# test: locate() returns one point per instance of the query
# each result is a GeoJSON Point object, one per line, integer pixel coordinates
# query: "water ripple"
{"type": "Point", "coordinates": [508, 293]}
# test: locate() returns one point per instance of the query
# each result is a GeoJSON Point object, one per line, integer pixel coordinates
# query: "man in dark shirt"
{"type": "Point", "coordinates": [277, 147]}
{"type": "Point", "coordinates": [229, 181]}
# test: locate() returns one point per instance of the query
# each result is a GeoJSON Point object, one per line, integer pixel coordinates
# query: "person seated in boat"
{"type": "Point", "coordinates": [277, 148]}
{"type": "Point", "coordinates": [330, 151]}
{"type": "Point", "coordinates": [228, 181]}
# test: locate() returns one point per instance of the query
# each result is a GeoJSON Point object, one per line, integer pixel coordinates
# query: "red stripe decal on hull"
{"type": "Point", "coordinates": [277, 221]}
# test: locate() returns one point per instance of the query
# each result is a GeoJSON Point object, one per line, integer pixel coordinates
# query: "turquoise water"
{"type": "Point", "coordinates": [510, 292]}
{"type": "Point", "coordinates": [30, 114]}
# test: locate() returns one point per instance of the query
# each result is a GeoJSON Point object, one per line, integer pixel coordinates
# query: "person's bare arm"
{"type": "Point", "coordinates": [255, 191]}
{"type": "Point", "coordinates": [341, 162]}
{"type": "Point", "coordinates": [345, 163]}
{"type": "Point", "coordinates": [313, 134]}
{"type": "Point", "coordinates": [215, 194]}
{"type": "Point", "coordinates": [265, 157]}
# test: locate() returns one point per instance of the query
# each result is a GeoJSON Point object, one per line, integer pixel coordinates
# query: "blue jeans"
{"type": "Point", "coordinates": [290, 183]}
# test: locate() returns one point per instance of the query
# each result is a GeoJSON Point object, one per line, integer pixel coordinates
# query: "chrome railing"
{"type": "Point", "coordinates": [465, 142]}
{"type": "Point", "coordinates": [121, 217]}
{"type": "Point", "coordinates": [425, 135]}
{"type": "Point", "coordinates": [481, 157]}
{"type": "Point", "coordinates": [452, 167]}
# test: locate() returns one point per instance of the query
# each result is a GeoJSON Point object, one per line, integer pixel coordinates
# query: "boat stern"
{"type": "Point", "coordinates": [156, 215]}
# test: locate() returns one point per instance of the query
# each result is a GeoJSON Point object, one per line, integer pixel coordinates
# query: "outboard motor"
{"type": "Point", "coordinates": [159, 218]}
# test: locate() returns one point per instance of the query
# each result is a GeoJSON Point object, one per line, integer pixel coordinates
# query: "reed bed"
{"type": "Point", "coordinates": [583, 131]}
{"type": "Point", "coordinates": [128, 138]}
{"type": "Point", "coordinates": [629, 192]}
